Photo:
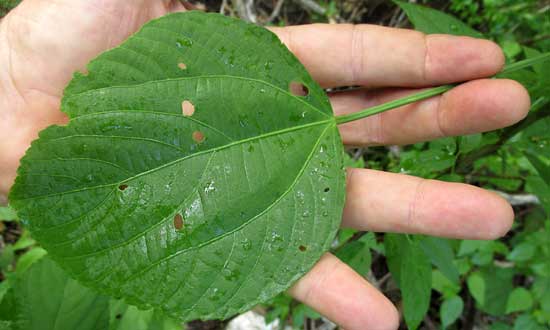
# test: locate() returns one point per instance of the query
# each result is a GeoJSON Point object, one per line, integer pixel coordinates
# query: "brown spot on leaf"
{"type": "Point", "coordinates": [178, 221]}
{"type": "Point", "coordinates": [302, 248]}
{"type": "Point", "coordinates": [122, 187]}
{"type": "Point", "coordinates": [182, 65]}
{"type": "Point", "coordinates": [198, 136]}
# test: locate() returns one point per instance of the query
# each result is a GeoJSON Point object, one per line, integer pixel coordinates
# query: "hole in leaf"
{"type": "Point", "coordinates": [182, 65]}
{"type": "Point", "coordinates": [298, 89]}
{"type": "Point", "coordinates": [327, 189]}
{"type": "Point", "coordinates": [187, 108]}
{"type": "Point", "coordinates": [122, 187]}
{"type": "Point", "coordinates": [198, 136]}
{"type": "Point", "coordinates": [178, 221]}
{"type": "Point", "coordinates": [302, 248]}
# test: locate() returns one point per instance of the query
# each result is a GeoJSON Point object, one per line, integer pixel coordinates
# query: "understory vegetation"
{"type": "Point", "coordinates": [461, 284]}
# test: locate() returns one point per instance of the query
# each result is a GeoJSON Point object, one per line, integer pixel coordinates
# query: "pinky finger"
{"type": "Point", "coordinates": [336, 291]}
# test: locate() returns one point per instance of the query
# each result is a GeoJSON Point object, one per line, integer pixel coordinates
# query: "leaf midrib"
{"type": "Point", "coordinates": [228, 145]}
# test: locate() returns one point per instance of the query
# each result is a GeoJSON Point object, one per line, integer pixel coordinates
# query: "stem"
{"type": "Point", "coordinates": [393, 104]}
{"type": "Point", "coordinates": [523, 64]}
{"type": "Point", "coordinates": [431, 92]}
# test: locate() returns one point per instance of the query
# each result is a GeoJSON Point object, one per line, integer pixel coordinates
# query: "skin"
{"type": "Point", "coordinates": [43, 42]}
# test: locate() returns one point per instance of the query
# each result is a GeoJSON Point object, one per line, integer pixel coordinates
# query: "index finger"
{"type": "Point", "coordinates": [375, 56]}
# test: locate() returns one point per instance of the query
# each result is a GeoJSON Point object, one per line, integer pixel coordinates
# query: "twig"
{"type": "Point", "coordinates": [276, 11]}
{"type": "Point", "coordinates": [430, 325]}
{"type": "Point", "coordinates": [519, 199]}
{"type": "Point", "coordinates": [222, 7]}
{"type": "Point", "coordinates": [536, 39]}
{"type": "Point", "coordinates": [372, 280]}
{"type": "Point", "coordinates": [245, 9]}
{"type": "Point", "coordinates": [313, 6]}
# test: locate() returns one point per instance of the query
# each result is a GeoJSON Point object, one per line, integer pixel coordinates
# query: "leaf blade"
{"type": "Point", "coordinates": [260, 194]}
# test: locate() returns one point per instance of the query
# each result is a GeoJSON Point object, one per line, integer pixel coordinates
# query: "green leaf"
{"type": "Point", "coordinates": [500, 326]}
{"type": "Point", "coordinates": [443, 285]}
{"type": "Point", "coordinates": [491, 287]}
{"type": "Point", "coordinates": [299, 314]}
{"type": "Point", "coordinates": [5, 286]}
{"type": "Point", "coordinates": [468, 143]}
{"type": "Point", "coordinates": [450, 310]}
{"type": "Point", "coordinates": [527, 322]}
{"type": "Point", "coordinates": [470, 246]}
{"type": "Point", "coordinates": [7, 214]}
{"type": "Point", "coordinates": [223, 208]}
{"type": "Point", "coordinates": [441, 255]}
{"type": "Point", "coordinates": [413, 273]}
{"type": "Point", "coordinates": [126, 317]}
{"type": "Point", "coordinates": [357, 254]}
{"type": "Point", "coordinates": [510, 48]}
{"type": "Point", "coordinates": [46, 298]}
{"type": "Point", "coordinates": [24, 241]}
{"type": "Point", "coordinates": [537, 185]}
{"type": "Point", "coordinates": [430, 21]}
{"type": "Point", "coordinates": [520, 299]}
{"type": "Point", "coordinates": [540, 166]}
{"type": "Point", "coordinates": [26, 260]}
{"type": "Point", "coordinates": [476, 286]}
{"type": "Point", "coordinates": [522, 252]}
{"type": "Point", "coordinates": [541, 292]}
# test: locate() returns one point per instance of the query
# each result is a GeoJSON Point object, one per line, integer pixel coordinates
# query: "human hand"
{"type": "Point", "coordinates": [42, 43]}
{"type": "Point", "coordinates": [40, 54]}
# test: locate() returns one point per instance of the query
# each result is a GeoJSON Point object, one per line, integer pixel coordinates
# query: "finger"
{"type": "Point", "coordinates": [389, 202]}
{"type": "Point", "coordinates": [49, 40]}
{"type": "Point", "coordinates": [476, 106]}
{"type": "Point", "coordinates": [368, 55]}
{"type": "Point", "coordinates": [333, 289]}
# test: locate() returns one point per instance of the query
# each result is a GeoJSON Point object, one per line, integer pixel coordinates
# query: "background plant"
{"type": "Point", "coordinates": [495, 284]}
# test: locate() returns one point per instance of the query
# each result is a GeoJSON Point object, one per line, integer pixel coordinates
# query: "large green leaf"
{"type": "Point", "coordinates": [429, 21]}
{"type": "Point", "coordinates": [413, 273]}
{"type": "Point", "coordinates": [46, 298]}
{"type": "Point", "coordinates": [201, 215]}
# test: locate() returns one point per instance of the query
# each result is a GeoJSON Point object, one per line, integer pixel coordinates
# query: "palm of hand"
{"type": "Point", "coordinates": [43, 42]}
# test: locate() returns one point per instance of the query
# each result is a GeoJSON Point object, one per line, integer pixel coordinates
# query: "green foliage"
{"type": "Point", "coordinates": [412, 271]}
{"type": "Point", "coordinates": [514, 160]}
{"type": "Point", "coordinates": [43, 296]}
{"type": "Point", "coordinates": [431, 21]}
{"type": "Point", "coordinates": [508, 21]}
{"type": "Point", "coordinates": [357, 253]}
{"type": "Point", "coordinates": [259, 193]}
{"type": "Point", "coordinates": [7, 214]}
{"type": "Point", "coordinates": [508, 280]}
{"type": "Point", "coordinates": [48, 299]}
